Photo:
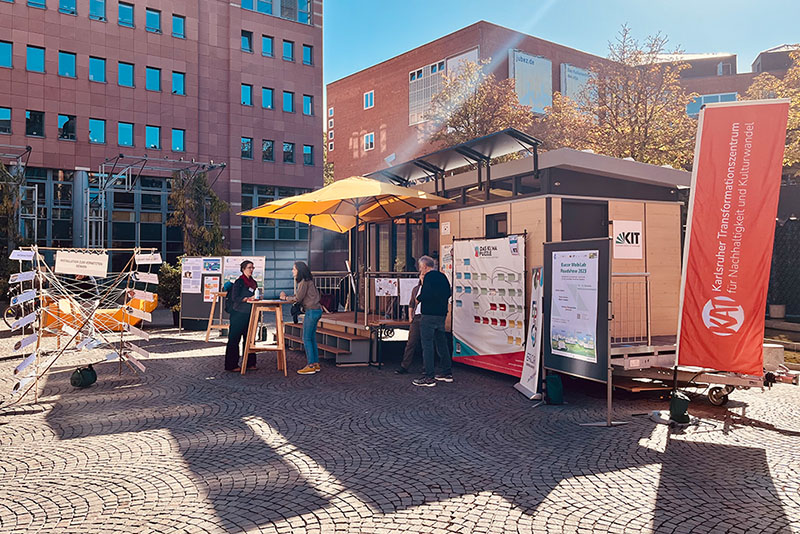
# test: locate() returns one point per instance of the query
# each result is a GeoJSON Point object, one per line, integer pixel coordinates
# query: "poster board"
{"type": "Point", "coordinates": [528, 383]}
{"type": "Point", "coordinates": [577, 278]}
{"type": "Point", "coordinates": [489, 303]}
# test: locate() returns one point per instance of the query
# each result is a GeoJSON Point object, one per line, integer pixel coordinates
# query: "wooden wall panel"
{"type": "Point", "coordinates": [628, 294]}
{"type": "Point", "coordinates": [663, 251]}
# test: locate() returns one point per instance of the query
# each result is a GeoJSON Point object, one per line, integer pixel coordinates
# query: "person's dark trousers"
{"type": "Point", "coordinates": [434, 337]}
{"type": "Point", "coordinates": [413, 345]}
{"type": "Point", "coordinates": [237, 331]}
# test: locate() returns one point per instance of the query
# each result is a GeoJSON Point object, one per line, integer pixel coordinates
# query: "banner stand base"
{"type": "Point", "coordinates": [529, 394]}
{"type": "Point", "coordinates": [605, 423]}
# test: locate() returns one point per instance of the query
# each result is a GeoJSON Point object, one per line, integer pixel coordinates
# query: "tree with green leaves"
{"type": "Point", "coordinates": [633, 106]}
{"type": "Point", "coordinates": [197, 210]}
{"type": "Point", "coordinates": [473, 103]}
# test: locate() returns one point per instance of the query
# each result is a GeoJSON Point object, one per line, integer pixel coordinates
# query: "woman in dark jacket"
{"type": "Point", "coordinates": [242, 294]}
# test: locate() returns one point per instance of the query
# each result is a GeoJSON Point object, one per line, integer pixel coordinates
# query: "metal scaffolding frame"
{"type": "Point", "coordinates": [126, 171]}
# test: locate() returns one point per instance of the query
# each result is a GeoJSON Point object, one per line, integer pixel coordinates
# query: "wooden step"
{"type": "Point", "coordinates": [328, 348]}
{"type": "Point", "coordinates": [336, 333]}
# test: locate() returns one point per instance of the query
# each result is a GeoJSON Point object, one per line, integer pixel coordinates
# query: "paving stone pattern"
{"type": "Point", "coordinates": [186, 447]}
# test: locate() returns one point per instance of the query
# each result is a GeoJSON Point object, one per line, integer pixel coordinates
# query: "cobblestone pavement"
{"type": "Point", "coordinates": [186, 447]}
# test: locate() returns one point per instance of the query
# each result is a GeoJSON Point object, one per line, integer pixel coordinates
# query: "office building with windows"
{"type": "Point", "coordinates": [213, 82]}
{"type": "Point", "coordinates": [376, 117]}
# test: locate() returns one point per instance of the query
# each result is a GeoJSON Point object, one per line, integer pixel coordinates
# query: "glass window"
{"type": "Point", "coordinates": [179, 26]}
{"type": "Point", "coordinates": [369, 141]}
{"type": "Point", "coordinates": [97, 69]}
{"type": "Point", "coordinates": [267, 98]}
{"type": "Point", "coordinates": [178, 83]}
{"type": "Point", "coordinates": [247, 4]}
{"type": "Point", "coordinates": [125, 17]}
{"type": "Point", "coordinates": [125, 134]}
{"type": "Point", "coordinates": [35, 59]}
{"type": "Point", "coordinates": [330, 123]}
{"type": "Point", "coordinates": [6, 54]}
{"type": "Point", "coordinates": [288, 50]}
{"type": "Point", "coordinates": [178, 140]}
{"type": "Point", "coordinates": [308, 105]}
{"type": "Point", "coordinates": [152, 20]}
{"type": "Point", "coordinates": [304, 11]}
{"type": "Point", "coordinates": [289, 9]}
{"type": "Point", "coordinates": [267, 46]}
{"type": "Point", "coordinates": [369, 99]}
{"type": "Point", "coordinates": [288, 152]}
{"type": "Point", "coordinates": [125, 74]}
{"type": "Point", "coordinates": [247, 41]}
{"type": "Point", "coordinates": [38, 3]}
{"type": "Point", "coordinates": [330, 147]}
{"type": "Point", "coordinates": [308, 55]}
{"type": "Point", "coordinates": [5, 120]}
{"type": "Point", "coordinates": [288, 101]}
{"type": "Point", "coordinates": [264, 6]}
{"type": "Point", "coordinates": [152, 80]}
{"type": "Point", "coordinates": [68, 7]}
{"type": "Point", "coordinates": [66, 127]}
{"type": "Point", "coordinates": [97, 9]}
{"type": "Point", "coordinates": [152, 137]}
{"type": "Point", "coordinates": [66, 64]}
{"type": "Point", "coordinates": [308, 155]}
{"type": "Point", "coordinates": [330, 133]}
{"type": "Point", "coordinates": [247, 148]}
{"type": "Point", "coordinates": [97, 131]}
{"type": "Point", "coordinates": [267, 150]}
{"type": "Point", "coordinates": [247, 94]}
{"type": "Point", "coordinates": [34, 123]}
{"type": "Point", "coordinates": [330, 112]}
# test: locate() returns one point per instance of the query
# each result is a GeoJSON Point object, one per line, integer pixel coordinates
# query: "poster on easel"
{"type": "Point", "coordinates": [489, 303]}
{"type": "Point", "coordinates": [231, 268]}
{"type": "Point", "coordinates": [210, 288]}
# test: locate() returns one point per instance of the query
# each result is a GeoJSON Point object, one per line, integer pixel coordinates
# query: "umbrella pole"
{"type": "Point", "coordinates": [358, 282]}
{"type": "Point", "coordinates": [309, 241]}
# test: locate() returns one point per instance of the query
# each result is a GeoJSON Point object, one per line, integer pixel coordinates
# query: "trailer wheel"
{"type": "Point", "coordinates": [717, 396]}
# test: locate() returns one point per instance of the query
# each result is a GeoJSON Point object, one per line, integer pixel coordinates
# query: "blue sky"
{"type": "Point", "coordinates": [360, 33]}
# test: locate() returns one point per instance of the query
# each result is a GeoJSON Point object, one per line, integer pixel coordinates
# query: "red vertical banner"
{"type": "Point", "coordinates": [731, 228]}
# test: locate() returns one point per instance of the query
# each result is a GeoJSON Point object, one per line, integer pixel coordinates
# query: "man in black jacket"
{"type": "Point", "coordinates": [433, 296]}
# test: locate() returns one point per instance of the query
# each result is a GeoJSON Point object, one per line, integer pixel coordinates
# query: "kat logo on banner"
{"type": "Point", "coordinates": [723, 316]}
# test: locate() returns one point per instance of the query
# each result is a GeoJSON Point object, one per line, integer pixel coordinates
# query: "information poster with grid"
{"type": "Point", "coordinates": [489, 303]}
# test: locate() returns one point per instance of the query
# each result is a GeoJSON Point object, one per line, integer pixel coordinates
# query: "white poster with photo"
{"type": "Point", "coordinates": [191, 275]}
{"type": "Point", "coordinates": [573, 311]}
{"type": "Point", "coordinates": [212, 265]}
{"type": "Point", "coordinates": [628, 240]}
{"type": "Point", "coordinates": [386, 287]}
{"type": "Point", "coordinates": [446, 262]}
{"type": "Point", "coordinates": [231, 268]}
{"type": "Point", "coordinates": [407, 286]}
{"type": "Point", "coordinates": [528, 383]}
{"type": "Point", "coordinates": [489, 301]}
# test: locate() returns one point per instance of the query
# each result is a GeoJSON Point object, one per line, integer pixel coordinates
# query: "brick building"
{"type": "Point", "coordinates": [374, 117]}
{"type": "Point", "coordinates": [82, 81]}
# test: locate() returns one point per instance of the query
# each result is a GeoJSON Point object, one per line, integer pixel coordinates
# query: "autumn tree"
{"type": "Point", "coordinates": [472, 103]}
{"type": "Point", "coordinates": [327, 166]}
{"type": "Point", "coordinates": [767, 85]}
{"type": "Point", "coordinates": [197, 210]}
{"type": "Point", "coordinates": [633, 106]}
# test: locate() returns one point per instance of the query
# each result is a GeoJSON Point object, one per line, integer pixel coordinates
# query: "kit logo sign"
{"type": "Point", "coordinates": [628, 238]}
{"type": "Point", "coordinates": [723, 316]}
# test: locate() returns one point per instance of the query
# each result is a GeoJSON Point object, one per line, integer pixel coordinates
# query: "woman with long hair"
{"type": "Point", "coordinates": [242, 294]}
{"type": "Point", "coordinates": [308, 296]}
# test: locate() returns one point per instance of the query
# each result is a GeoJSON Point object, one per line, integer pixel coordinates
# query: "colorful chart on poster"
{"type": "Point", "coordinates": [210, 287]}
{"type": "Point", "coordinates": [212, 265]}
{"type": "Point", "coordinates": [573, 313]}
{"type": "Point", "coordinates": [489, 303]}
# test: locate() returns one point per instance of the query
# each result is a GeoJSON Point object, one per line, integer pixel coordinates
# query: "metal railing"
{"type": "Point", "coordinates": [335, 290]}
{"type": "Point", "coordinates": [630, 308]}
{"type": "Point", "coordinates": [390, 307]}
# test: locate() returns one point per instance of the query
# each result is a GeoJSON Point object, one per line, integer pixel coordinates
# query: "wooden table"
{"type": "Point", "coordinates": [259, 307]}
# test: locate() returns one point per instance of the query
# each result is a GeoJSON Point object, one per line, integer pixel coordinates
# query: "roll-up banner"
{"type": "Point", "coordinates": [489, 303]}
{"type": "Point", "coordinates": [731, 226]}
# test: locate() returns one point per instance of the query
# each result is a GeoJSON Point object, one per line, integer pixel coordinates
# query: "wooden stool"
{"type": "Point", "coordinates": [218, 296]}
{"type": "Point", "coordinates": [259, 307]}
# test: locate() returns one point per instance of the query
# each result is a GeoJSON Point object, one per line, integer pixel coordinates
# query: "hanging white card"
{"type": "Point", "coordinates": [148, 259]}
{"type": "Point", "coordinates": [149, 278]}
{"type": "Point", "coordinates": [24, 321]}
{"type": "Point", "coordinates": [26, 276]}
{"type": "Point", "coordinates": [67, 329]}
{"type": "Point", "coordinates": [23, 383]}
{"type": "Point", "coordinates": [85, 263]}
{"type": "Point", "coordinates": [85, 342]}
{"type": "Point", "coordinates": [136, 362]}
{"type": "Point", "coordinates": [22, 255]}
{"type": "Point", "coordinates": [24, 297]}
{"type": "Point", "coordinates": [24, 342]}
{"type": "Point", "coordinates": [94, 343]}
{"type": "Point", "coordinates": [137, 332]}
{"type": "Point", "coordinates": [111, 356]}
{"type": "Point", "coordinates": [25, 363]}
{"type": "Point", "coordinates": [142, 295]}
{"type": "Point", "coordinates": [139, 314]}
{"type": "Point", "coordinates": [138, 350]}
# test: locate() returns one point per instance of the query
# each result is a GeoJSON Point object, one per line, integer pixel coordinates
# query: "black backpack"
{"type": "Point", "coordinates": [83, 377]}
{"type": "Point", "coordinates": [228, 287]}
